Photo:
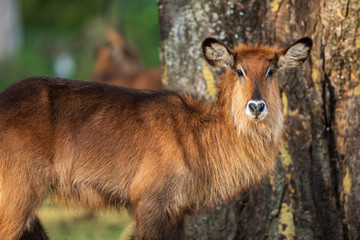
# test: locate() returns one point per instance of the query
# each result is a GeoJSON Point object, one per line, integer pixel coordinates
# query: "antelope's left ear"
{"type": "Point", "coordinates": [217, 54]}
{"type": "Point", "coordinates": [295, 55]}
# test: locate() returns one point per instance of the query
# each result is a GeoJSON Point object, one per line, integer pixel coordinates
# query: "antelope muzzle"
{"type": "Point", "coordinates": [256, 109]}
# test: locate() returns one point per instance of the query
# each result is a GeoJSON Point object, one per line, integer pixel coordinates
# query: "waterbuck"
{"type": "Point", "coordinates": [162, 155]}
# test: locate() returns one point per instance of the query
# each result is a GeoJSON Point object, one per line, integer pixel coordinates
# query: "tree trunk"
{"type": "Point", "coordinates": [314, 190]}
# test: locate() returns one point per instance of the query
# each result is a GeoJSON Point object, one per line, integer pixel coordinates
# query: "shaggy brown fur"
{"type": "Point", "coordinates": [162, 155]}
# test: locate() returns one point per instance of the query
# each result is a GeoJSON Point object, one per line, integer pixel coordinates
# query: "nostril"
{"type": "Point", "coordinates": [260, 107]}
{"type": "Point", "coordinates": [252, 107]}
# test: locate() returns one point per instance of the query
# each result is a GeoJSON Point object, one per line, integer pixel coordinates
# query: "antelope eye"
{"type": "Point", "coordinates": [240, 73]}
{"type": "Point", "coordinates": [270, 73]}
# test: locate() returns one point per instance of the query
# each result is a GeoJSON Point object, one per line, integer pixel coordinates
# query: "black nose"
{"type": "Point", "coordinates": [257, 108]}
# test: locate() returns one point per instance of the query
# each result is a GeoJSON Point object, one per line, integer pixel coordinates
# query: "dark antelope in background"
{"type": "Point", "coordinates": [162, 155]}
{"type": "Point", "coordinates": [118, 64]}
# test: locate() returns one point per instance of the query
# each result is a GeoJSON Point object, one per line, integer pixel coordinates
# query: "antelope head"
{"type": "Point", "coordinates": [251, 73]}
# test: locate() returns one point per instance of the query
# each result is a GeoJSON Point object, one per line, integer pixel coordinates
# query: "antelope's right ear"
{"type": "Point", "coordinates": [217, 54]}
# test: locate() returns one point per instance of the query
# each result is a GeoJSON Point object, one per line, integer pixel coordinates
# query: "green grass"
{"type": "Point", "coordinates": [75, 224]}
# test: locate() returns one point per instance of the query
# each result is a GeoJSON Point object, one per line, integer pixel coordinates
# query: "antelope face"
{"type": "Point", "coordinates": [252, 73]}
{"type": "Point", "coordinates": [255, 77]}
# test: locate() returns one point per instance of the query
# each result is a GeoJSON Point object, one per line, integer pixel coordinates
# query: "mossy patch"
{"type": "Point", "coordinates": [210, 81]}
{"type": "Point", "coordinates": [287, 226]}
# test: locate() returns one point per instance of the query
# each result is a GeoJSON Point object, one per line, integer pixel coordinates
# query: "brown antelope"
{"type": "Point", "coordinates": [162, 155]}
{"type": "Point", "coordinates": [117, 64]}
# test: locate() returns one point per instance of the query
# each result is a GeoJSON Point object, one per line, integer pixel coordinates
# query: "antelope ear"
{"type": "Point", "coordinates": [295, 54]}
{"type": "Point", "coordinates": [217, 54]}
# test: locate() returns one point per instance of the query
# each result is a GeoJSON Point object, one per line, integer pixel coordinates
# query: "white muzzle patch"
{"type": "Point", "coordinates": [256, 109]}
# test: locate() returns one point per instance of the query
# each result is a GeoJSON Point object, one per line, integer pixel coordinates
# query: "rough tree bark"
{"type": "Point", "coordinates": [314, 192]}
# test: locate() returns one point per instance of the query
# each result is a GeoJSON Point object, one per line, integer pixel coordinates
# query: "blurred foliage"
{"type": "Point", "coordinates": [144, 31]}
{"type": "Point", "coordinates": [52, 27]}
{"type": "Point", "coordinates": [58, 16]}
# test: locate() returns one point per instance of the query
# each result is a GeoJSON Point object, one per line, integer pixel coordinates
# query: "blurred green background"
{"type": "Point", "coordinates": [63, 223]}
{"type": "Point", "coordinates": [51, 29]}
